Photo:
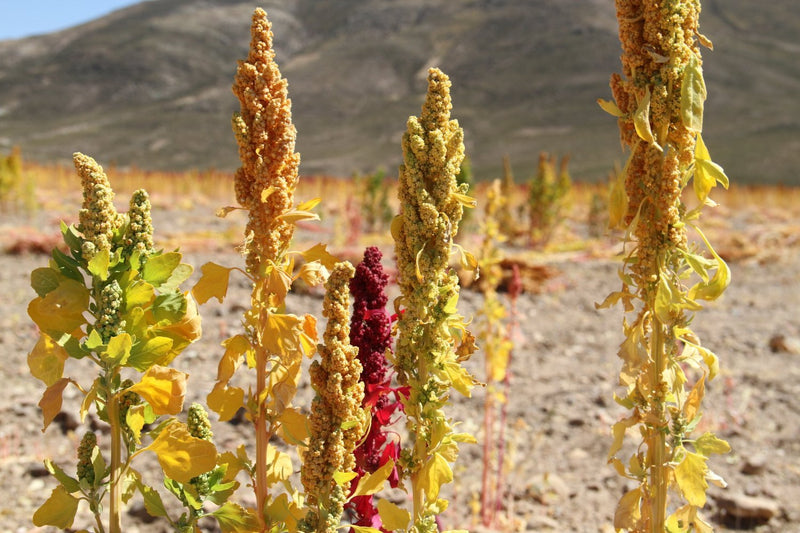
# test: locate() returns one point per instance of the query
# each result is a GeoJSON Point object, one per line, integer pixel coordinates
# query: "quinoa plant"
{"type": "Point", "coordinates": [274, 341]}
{"type": "Point", "coordinates": [114, 301]}
{"type": "Point", "coordinates": [547, 194]}
{"type": "Point", "coordinates": [659, 105]}
{"type": "Point", "coordinates": [371, 333]}
{"type": "Point", "coordinates": [432, 339]}
{"type": "Point", "coordinates": [496, 347]}
{"type": "Point", "coordinates": [337, 420]}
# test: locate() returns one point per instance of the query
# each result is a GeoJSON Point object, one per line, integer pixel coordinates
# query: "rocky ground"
{"type": "Point", "coordinates": [560, 408]}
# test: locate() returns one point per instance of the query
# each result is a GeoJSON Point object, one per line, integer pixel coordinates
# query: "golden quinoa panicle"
{"type": "Point", "coordinates": [266, 136]}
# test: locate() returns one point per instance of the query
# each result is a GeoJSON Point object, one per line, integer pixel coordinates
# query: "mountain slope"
{"type": "Point", "coordinates": [150, 84]}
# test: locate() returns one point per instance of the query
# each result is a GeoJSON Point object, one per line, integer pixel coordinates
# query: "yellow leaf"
{"type": "Point", "coordinates": [341, 478]}
{"type": "Point", "coordinates": [282, 334]}
{"type": "Point", "coordinates": [692, 405]}
{"type": "Point", "coordinates": [641, 120]}
{"type": "Point", "coordinates": [308, 338]}
{"type": "Point", "coordinates": [233, 518]}
{"type": "Point", "coordinates": [225, 401]}
{"type": "Point", "coordinates": [182, 456]}
{"type": "Point", "coordinates": [51, 401]}
{"type": "Point", "coordinates": [363, 529]}
{"type": "Point", "coordinates": [144, 355]}
{"type": "Point", "coordinates": [118, 350]}
{"type": "Point", "coordinates": [187, 330]}
{"type": "Point", "coordinates": [707, 444]}
{"type": "Point", "coordinates": [98, 265]}
{"type": "Point", "coordinates": [617, 202]}
{"type": "Point", "coordinates": [46, 360]}
{"type": "Point", "coordinates": [222, 212]}
{"type": "Point", "coordinates": [293, 426]}
{"type": "Point", "coordinates": [372, 483]}
{"type": "Point", "coordinates": [394, 518]}
{"type": "Point", "coordinates": [465, 200]}
{"type": "Point", "coordinates": [313, 273]}
{"type": "Point", "coordinates": [61, 310]}
{"type": "Point", "coordinates": [610, 108]}
{"type": "Point", "coordinates": [59, 510]}
{"type": "Point", "coordinates": [690, 474]}
{"type": "Point", "coordinates": [279, 465]}
{"type": "Point", "coordinates": [319, 252]}
{"type": "Point", "coordinates": [235, 347]}
{"type": "Point", "coordinates": [434, 473]}
{"type": "Point", "coordinates": [163, 388]}
{"type": "Point", "coordinates": [629, 513]}
{"type": "Point", "coordinates": [213, 283]}
{"type": "Point", "coordinates": [460, 379]}
{"type": "Point", "coordinates": [693, 94]}
{"type": "Point", "coordinates": [618, 430]}
{"type": "Point", "coordinates": [714, 288]}
{"type": "Point", "coordinates": [134, 418]}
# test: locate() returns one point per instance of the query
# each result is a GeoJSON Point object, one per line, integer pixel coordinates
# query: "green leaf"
{"type": "Point", "coordinates": [44, 280]}
{"type": "Point", "coordinates": [152, 501]}
{"type": "Point", "coordinates": [213, 283]}
{"type": "Point", "coordinates": [67, 266]}
{"type": "Point", "coordinates": [394, 518]}
{"type": "Point", "coordinates": [69, 483]}
{"type": "Point", "coordinates": [232, 518]}
{"type": "Point", "coordinates": [148, 353]}
{"type": "Point", "coordinates": [708, 443]}
{"type": "Point", "coordinates": [690, 474]}
{"type": "Point", "coordinates": [693, 94]}
{"type": "Point", "coordinates": [98, 466]}
{"type": "Point", "coordinates": [159, 268]}
{"type": "Point", "coordinates": [170, 307]}
{"type": "Point", "coordinates": [59, 510]}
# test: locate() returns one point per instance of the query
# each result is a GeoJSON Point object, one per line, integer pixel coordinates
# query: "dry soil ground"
{"type": "Point", "coordinates": [560, 408]}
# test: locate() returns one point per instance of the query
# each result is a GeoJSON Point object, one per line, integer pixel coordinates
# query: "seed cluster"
{"type": "Point", "coordinates": [337, 421]}
{"type": "Point", "coordinates": [85, 469]}
{"type": "Point", "coordinates": [139, 237]}
{"type": "Point", "coordinates": [265, 182]}
{"type": "Point", "coordinates": [98, 218]}
{"type": "Point", "coordinates": [109, 314]}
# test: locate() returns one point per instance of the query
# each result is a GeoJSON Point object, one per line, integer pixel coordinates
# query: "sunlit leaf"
{"type": "Point", "coordinates": [139, 294]}
{"type": "Point", "coordinates": [690, 474]}
{"type": "Point", "coordinates": [464, 200]}
{"type": "Point", "coordinates": [98, 264]}
{"type": "Point", "coordinates": [641, 120]}
{"type": "Point", "coordinates": [370, 483]}
{"type": "Point", "coordinates": [293, 426]}
{"type": "Point", "coordinates": [69, 483]}
{"type": "Point", "coordinates": [152, 501]}
{"type": "Point", "coordinates": [319, 252]}
{"type": "Point", "coordinates": [164, 389]}
{"type": "Point", "coordinates": [433, 474]}
{"type": "Point", "coordinates": [714, 288]}
{"type": "Point", "coordinates": [282, 333]}
{"type": "Point", "coordinates": [693, 95]}
{"type": "Point", "coordinates": [460, 378]}
{"type": "Point", "coordinates": [394, 518]}
{"type": "Point", "coordinates": [46, 360]}
{"type": "Point", "coordinates": [279, 465]}
{"type": "Point", "coordinates": [708, 444]}
{"type": "Point", "coordinates": [44, 280]}
{"type": "Point", "coordinates": [232, 518]}
{"type": "Point", "coordinates": [144, 355]}
{"type": "Point", "coordinates": [61, 310]}
{"type": "Point", "coordinates": [225, 401]}
{"type": "Point", "coordinates": [182, 456]}
{"type": "Point", "coordinates": [695, 398]}
{"type": "Point", "coordinates": [59, 510]}
{"type": "Point", "coordinates": [618, 430]}
{"type": "Point", "coordinates": [213, 283]}
{"type": "Point", "coordinates": [341, 478]}
{"type": "Point", "coordinates": [118, 350]}
{"type": "Point", "coordinates": [610, 108]}
{"type": "Point", "coordinates": [159, 268]}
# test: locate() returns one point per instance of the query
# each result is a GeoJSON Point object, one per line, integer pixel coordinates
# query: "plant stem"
{"type": "Point", "coordinates": [115, 497]}
{"type": "Point", "coordinates": [262, 435]}
{"type": "Point", "coordinates": [487, 508]}
{"type": "Point", "coordinates": [659, 471]}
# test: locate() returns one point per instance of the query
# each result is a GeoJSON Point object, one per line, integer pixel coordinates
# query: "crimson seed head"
{"type": "Point", "coordinates": [370, 327]}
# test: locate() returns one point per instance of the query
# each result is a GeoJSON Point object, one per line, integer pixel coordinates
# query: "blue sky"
{"type": "Point", "coordinates": [21, 18]}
